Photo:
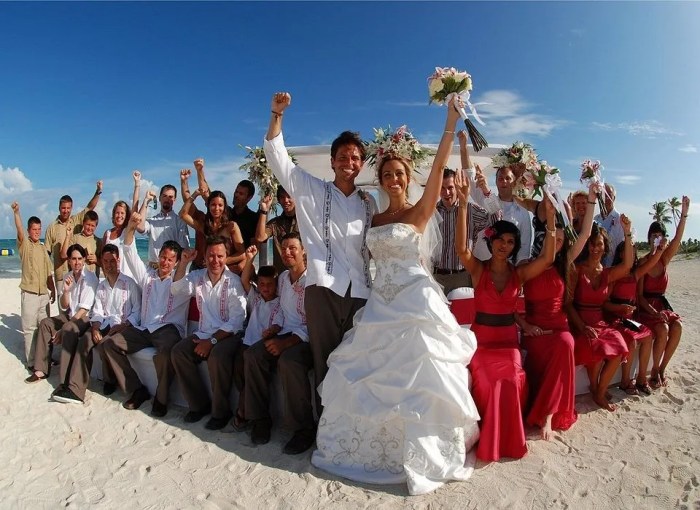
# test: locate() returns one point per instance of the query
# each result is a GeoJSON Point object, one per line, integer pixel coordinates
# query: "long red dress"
{"type": "Point", "coordinates": [654, 289]}
{"type": "Point", "coordinates": [499, 386]}
{"type": "Point", "coordinates": [588, 303]}
{"type": "Point", "coordinates": [550, 367]}
{"type": "Point", "coordinates": [625, 292]}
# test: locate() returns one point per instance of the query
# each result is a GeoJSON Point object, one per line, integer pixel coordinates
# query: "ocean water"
{"type": "Point", "coordinates": [10, 265]}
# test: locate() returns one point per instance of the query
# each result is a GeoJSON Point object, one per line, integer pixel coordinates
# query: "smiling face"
{"type": "Point", "coordinates": [64, 209]}
{"type": "Point", "coordinates": [394, 177]}
{"type": "Point", "coordinates": [167, 260]}
{"type": "Point", "coordinates": [596, 247]}
{"type": "Point", "coordinates": [580, 206]}
{"type": "Point", "coordinates": [292, 253]}
{"type": "Point", "coordinates": [346, 164]}
{"type": "Point", "coordinates": [502, 246]}
{"type": "Point", "coordinates": [34, 231]}
{"type": "Point", "coordinates": [448, 192]}
{"type": "Point", "coordinates": [505, 181]}
{"type": "Point", "coordinates": [216, 260]}
{"type": "Point", "coordinates": [89, 227]}
{"type": "Point", "coordinates": [267, 286]}
{"type": "Point", "coordinates": [76, 262]}
{"type": "Point", "coordinates": [167, 199]}
{"type": "Point", "coordinates": [217, 207]}
{"type": "Point", "coordinates": [110, 264]}
{"type": "Point", "coordinates": [287, 203]}
{"type": "Point", "coordinates": [119, 216]}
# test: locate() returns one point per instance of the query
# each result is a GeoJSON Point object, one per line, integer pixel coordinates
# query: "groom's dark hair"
{"type": "Point", "coordinates": [349, 138]}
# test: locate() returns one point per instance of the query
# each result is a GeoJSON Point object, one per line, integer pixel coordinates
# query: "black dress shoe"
{"type": "Point", "coordinates": [137, 398]}
{"type": "Point", "coordinates": [301, 441]}
{"type": "Point", "coordinates": [260, 433]}
{"type": "Point", "coordinates": [195, 416]}
{"type": "Point", "coordinates": [158, 410]}
{"type": "Point", "coordinates": [35, 378]}
{"type": "Point", "coordinates": [108, 388]}
{"type": "Point", "coordinates": [217, 423]}
{"type": "Point", "coordinates": [57, 390]}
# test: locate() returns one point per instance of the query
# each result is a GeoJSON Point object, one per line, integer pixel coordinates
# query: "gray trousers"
{"type": "Point", "coordinates": [293, 367]}
{"type": "Point", "coordinates": [328, 317]}
{"type": "Point", "coordinates": [34, 309]}
{"type": "Point", "coordinates": [131, 340]}
{"type": "Point", "coordinates": [453, 281]}
{"type": "Point", "coordinates": [48, 327]}
{"type": "Point", "coordinates": [220, 364]}
{"type": "Point", "coordinates": [76, 362]}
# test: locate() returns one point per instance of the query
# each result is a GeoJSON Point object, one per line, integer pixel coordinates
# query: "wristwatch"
{"type": "Point", "coordinates": [213, 341]}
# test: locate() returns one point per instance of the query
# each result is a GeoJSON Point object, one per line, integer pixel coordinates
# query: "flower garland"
{"type": "Point", "coordinates": [399, 143]}
{"type": "Point", "coordinates": [261, 174]}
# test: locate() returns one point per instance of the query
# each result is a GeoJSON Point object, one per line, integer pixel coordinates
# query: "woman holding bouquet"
{"type": "Point", "coordinates": [598, 346]}
{"type": "Point", "coordinates": [396, 396]}
{"type": "Point", "coordinates": [655, 310]}
{"type": "Point", "coordinates": [499, 386]}
{"type": "Point", "coordinates": [550, 365]}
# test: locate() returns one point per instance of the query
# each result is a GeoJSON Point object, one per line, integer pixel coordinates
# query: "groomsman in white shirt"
{"type": "Point", "coordinates": [164, 226]}
{"type": "Point", "coordinates": [77, 299]}
{"type": "Point", "coordinates": [163, 319]}
{"type": "Point", "coordinates": [222, 310]}
{"type": "Point", "coordinates": [117, 306]}
{"type": "Point", "coordinates": [333, 220]}
{"type": "Point", "coordinates": [289, 352]}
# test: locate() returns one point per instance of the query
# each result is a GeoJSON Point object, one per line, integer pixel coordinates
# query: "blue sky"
{"type": "Point", "coordinates": [95, 90]}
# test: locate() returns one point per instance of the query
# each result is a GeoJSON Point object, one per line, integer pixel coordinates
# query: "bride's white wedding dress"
{"type": "Point", "coordinates": [396, 397]}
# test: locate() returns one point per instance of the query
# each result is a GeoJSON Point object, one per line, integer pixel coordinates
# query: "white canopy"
{"type": "Point", "coordinates": [316, 159]}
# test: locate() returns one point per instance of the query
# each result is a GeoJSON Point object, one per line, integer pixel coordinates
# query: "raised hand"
{"type": "Point", "coordinates": [185, 174]}
{"type": "Point", "coordinates": [280, 102]}
{"type": "Point", "coordinates": [265, 203]}
{"type": "Point", "coordinates": [685, 207]}
{"type": "Point", "coordinates": [626, 224]}
{"type": "Point", "coordinates": [150, 196]}
{"type": "Point", "coordinates": [462, 185]}
{"type": "Point", "coordinates": [91, 258]}
{"type": "Point", "coordinates": [188, 256]}
{"type": "Point", "coordinates": [15, 207]}
{"type": "Point", "coordinates": [99, 186]}
{"type": "Point", "coordinates": [67, 283]}
{"type": "Point", "coordinates": [137, 176]}
{"type": "Point", "coordinates": [462, 137]}
{"type": "Point", "coordinates": [480, 180]}
{"type": "Point", "coordinates": [135, 218]}
{"type": "Point", "coordinates": [198, 164]}
{"type": "Point", "coordinates": [251, 252]}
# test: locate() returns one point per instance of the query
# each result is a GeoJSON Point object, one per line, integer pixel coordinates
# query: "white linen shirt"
{"type": "Point", "coordinates": [165, 227]}
{"type": "Point", "coordinates": [509, 211]}
{"type": "Point", "coordinates": [221, 306]}
{"type": "Point", "coordinates": [82, 293]}
{"type": "Point", "coordinates": [118, 304]}
{"type": "Point", "coordinates": [263, 315]}
{"type": "Point", "coordinates": [158, 305]}
{"type": "Point", "coordinates": [347, 218]}
{"type": "Point", "coordinates": [616, 234]}
{"type": "Point", "coordinates": [292, 301]}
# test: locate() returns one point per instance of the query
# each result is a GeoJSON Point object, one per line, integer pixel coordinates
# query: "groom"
{"type": "Point", "coordinates": [333, 219]}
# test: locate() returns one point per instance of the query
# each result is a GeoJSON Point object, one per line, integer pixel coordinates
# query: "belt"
{"type": "Point", "coordinates": [494, 319]}
{"type": "Point", "coordinates": [660, 296]}
{"type": "Point", "coordinates": [621, 301]}
{"type": "Point", "coordinates": [448, 271]}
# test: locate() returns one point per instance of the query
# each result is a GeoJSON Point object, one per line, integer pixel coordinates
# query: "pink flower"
{"type": "Point", "coordinates": [489, 232]}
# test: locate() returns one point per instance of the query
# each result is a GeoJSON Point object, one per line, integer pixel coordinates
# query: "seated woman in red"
{"type": "Point", "coordinates": [549, 364]}
{"type": "Point", "coordinates": [499, 387]}
{"type": "Point", "coordinates": [654, 309]}
{"type": "Point", "coordinates": [598, 346]}
{"type": "Point", "coordinates": [620, 309]}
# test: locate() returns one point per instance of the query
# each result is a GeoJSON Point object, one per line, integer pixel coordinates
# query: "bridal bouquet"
{"type": "Point", "coordinates": [522, 160]}
{"type": "Point", "coordinates": [591, 174]}
{"type": "Point", "coordinates": [400, 143]}
{"type": "Point", "coordinates": [547, 182]}
{"type": "Point", "coordinates": [260, 173]}
{"type": "Point", "coordinates": [446, 83]}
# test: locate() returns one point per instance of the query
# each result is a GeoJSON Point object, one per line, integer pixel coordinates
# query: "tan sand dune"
{"type": "Point", "coordinates": [645, 455]}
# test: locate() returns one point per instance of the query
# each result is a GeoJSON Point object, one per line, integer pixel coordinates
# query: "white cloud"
{"type": "Point", "coordinates": [688, 148]}
{"type": "Point", "coordinates": [13, 182]}
{"type": "Point", "coordinates": [646, 129]}
{"type": "Point", "coordinates": [507, 116]}
{"type": "Point", "coordinates": [578, 32]}
{"type": "Point", "coordinates": [627, 179]}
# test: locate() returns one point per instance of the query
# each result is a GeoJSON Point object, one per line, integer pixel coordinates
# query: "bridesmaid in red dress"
{"type": "Point", "coordinates": [655, 310]}
{"type": "Point", "coordinates": [598, 346]}
{"type": "Point", "coordinates": [620, 310]}
{"type": "Point", "coordinates": [550, 362]}
{"type": "Point", "coordinates": [499, 387]}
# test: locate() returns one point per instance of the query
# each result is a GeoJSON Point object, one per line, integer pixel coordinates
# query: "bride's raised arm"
{"type": "Point", "coordinates": [425, 207]}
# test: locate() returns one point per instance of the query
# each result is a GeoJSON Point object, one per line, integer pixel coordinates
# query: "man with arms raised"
{"type": "Point", "coordinates": [333, 220]}
{"type": "Point", "coordinates": [163, 318]}
{"type": "Point", "coordinates": [117, 306]}
{"type": "Point", "coordinates": [222, 307]}
{"type": "Point", "coordinates": [164, 226]}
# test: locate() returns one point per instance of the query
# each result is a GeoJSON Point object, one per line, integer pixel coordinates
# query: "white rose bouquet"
{"type": "Point", "coordinates": [400, 142]}
{"type": "Point", "coordinates": [591, 174]}
{"type": "Point", "coordinates": [260, 173]}
{"type": "Point", "coordinates": [446, 82]}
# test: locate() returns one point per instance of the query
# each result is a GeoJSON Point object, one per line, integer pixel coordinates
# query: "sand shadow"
{"type": "Point", "coordinates": [11, 336]}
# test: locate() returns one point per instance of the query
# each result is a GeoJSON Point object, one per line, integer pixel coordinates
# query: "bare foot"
{"type": "Point", "coordinates": [547, 428]}
{"type": "Point", "coordinates": [602, 402]}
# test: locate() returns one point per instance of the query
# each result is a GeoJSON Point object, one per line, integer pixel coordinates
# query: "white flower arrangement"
{"type": "Point", "coordinates": [260, 173]}
{"type": "Point", "coordinates": [400, 143]}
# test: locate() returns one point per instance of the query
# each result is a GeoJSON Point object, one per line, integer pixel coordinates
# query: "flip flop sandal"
{"type": "Point", "coordinates": [630, 390]}
{"type": "Point", "coordinates": [655, 382]}
{"type": "Point", "coordinates": [644, 388]}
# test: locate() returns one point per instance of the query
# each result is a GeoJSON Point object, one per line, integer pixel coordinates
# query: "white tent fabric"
{"type": "Point", "coordinates": [316, 159]}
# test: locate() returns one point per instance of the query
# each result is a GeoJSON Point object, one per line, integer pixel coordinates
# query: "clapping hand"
{"type": "Point", "coordinates": [280, 102]}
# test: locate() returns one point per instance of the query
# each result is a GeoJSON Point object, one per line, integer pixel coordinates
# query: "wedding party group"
{"type": "Point", "coordinates": [356, 296]}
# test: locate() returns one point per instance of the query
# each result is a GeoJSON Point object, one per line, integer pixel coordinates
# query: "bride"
{"type": "Point", "coordinates": [396, 399]}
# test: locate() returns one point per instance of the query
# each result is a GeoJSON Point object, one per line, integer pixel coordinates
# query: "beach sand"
{"type": "Point", "coordinates": [55, 455]}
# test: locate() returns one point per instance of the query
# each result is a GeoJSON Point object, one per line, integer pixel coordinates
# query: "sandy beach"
{"type": "Point", "coordinates": [100, 455]}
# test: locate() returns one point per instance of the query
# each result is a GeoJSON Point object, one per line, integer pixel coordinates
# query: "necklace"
{"type": "Point", "coordinates": [392, 213]}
